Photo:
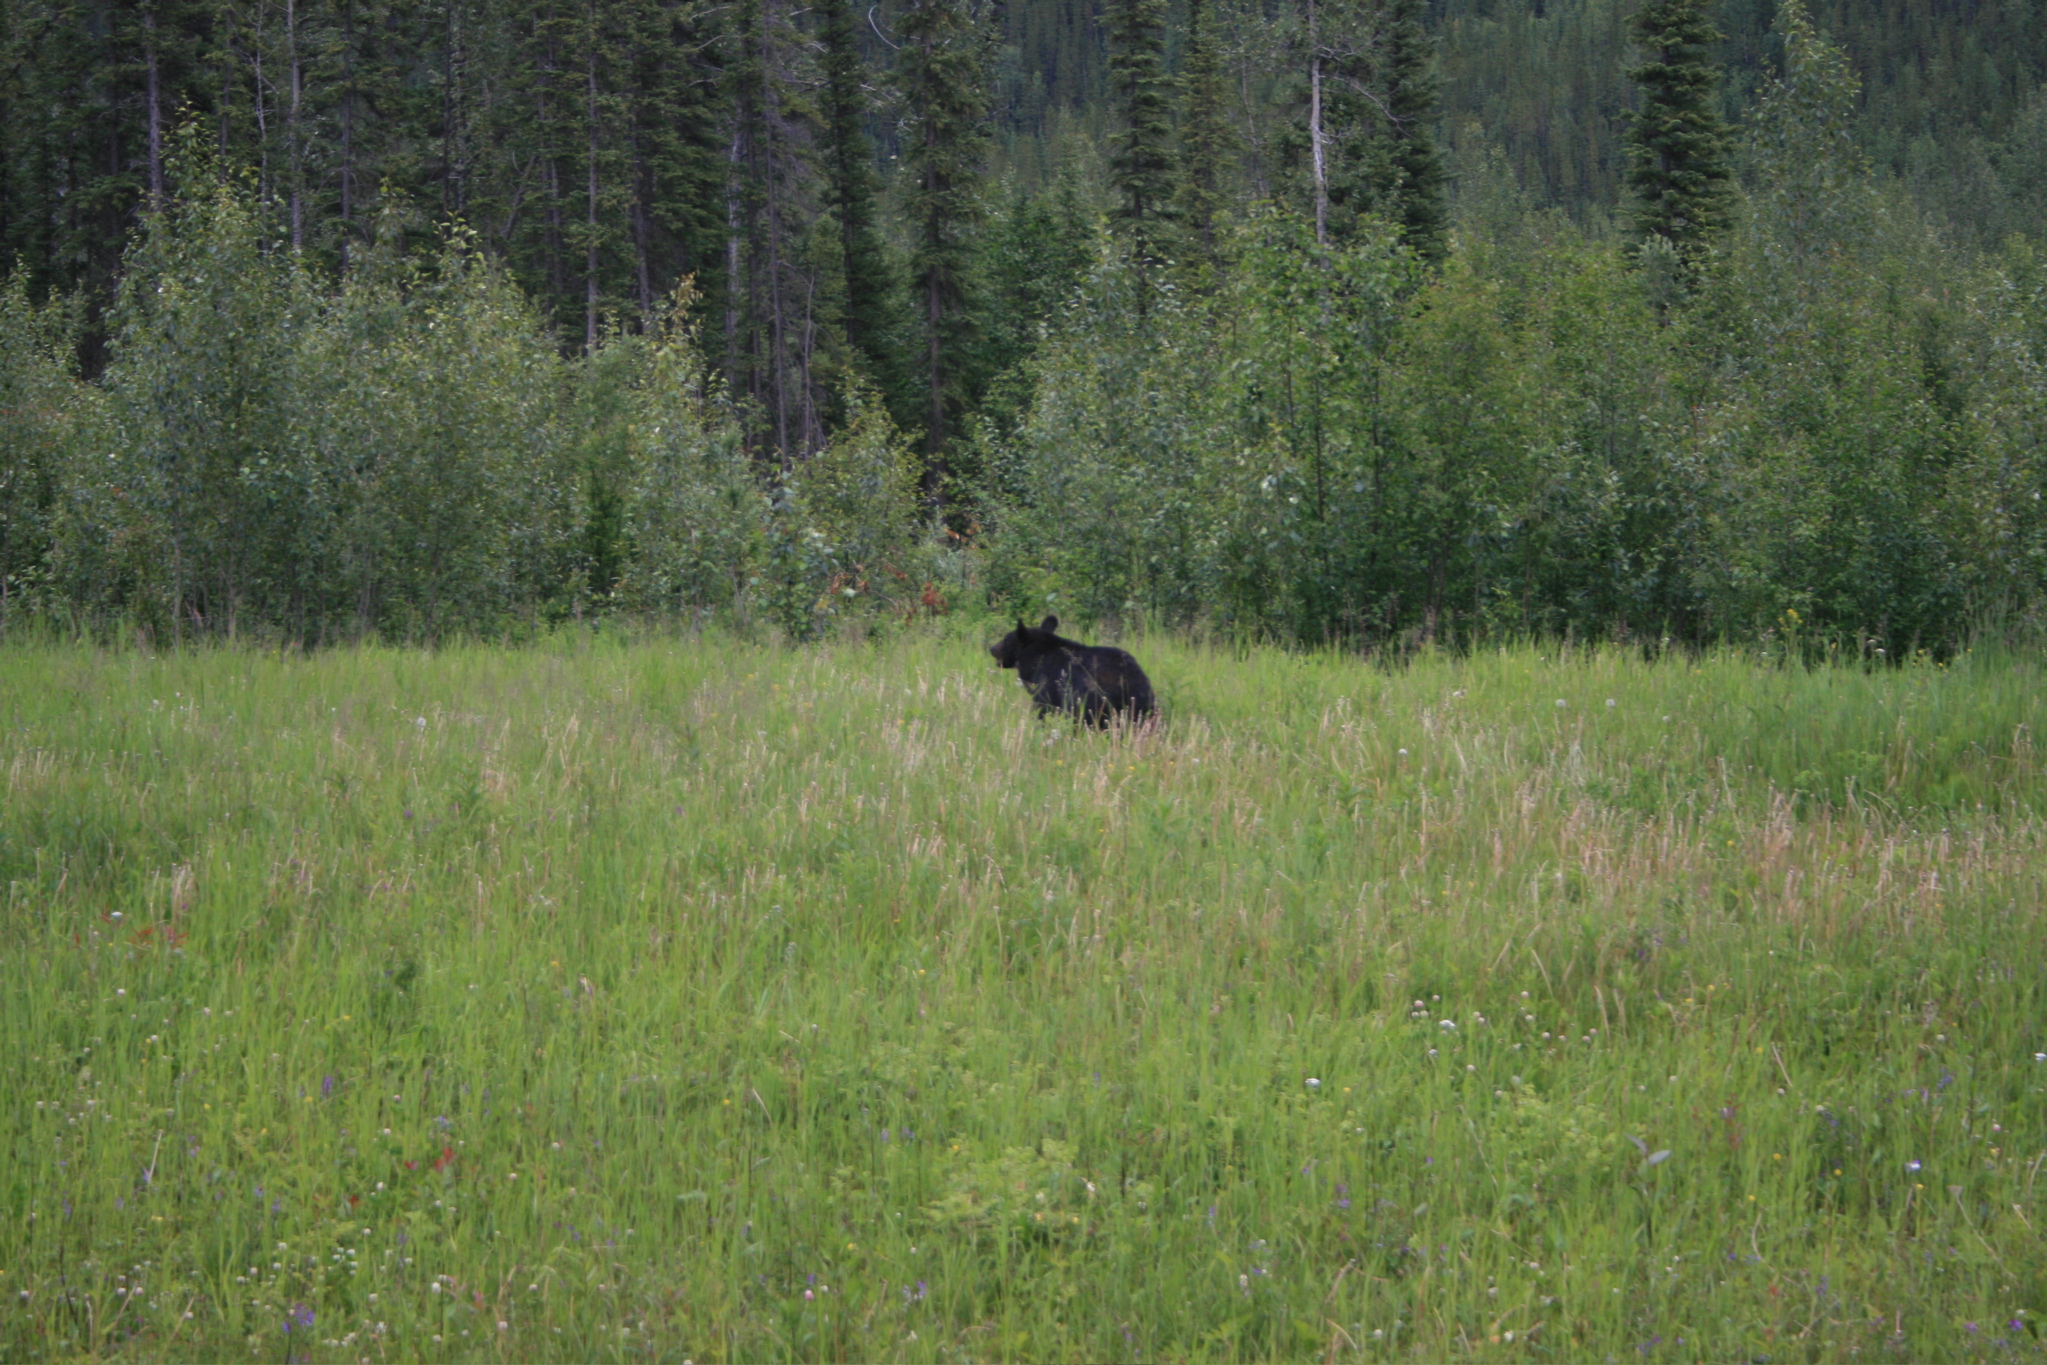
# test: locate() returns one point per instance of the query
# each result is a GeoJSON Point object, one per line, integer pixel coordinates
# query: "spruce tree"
{"type": "Point", "coordinates": [1141, 156]}
{"type": "Point", "coordinates": [945, 84]}
{"type": "Point", "coordinates": [1207, 140]}
{"type": "Point", "coordinates": [1677, 144]}
{"type": "Point", "coordinates": [1409, 85]}
{"type": "Point", "coordinates": [849, 168]}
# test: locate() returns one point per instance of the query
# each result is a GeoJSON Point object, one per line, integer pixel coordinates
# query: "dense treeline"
{"type": "Point", "coordinates": [607, 149]}
{"type": "Point", "coordinates": [335, 319]}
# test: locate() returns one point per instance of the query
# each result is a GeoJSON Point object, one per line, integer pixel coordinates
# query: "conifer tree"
{"type": "Point", "coordinates": [1677, 144]}
{"type": "Point", "coordinates": [1409, 85]}
{"type": "Point", "coordinates": [849, 167]}
{"type": "Point", "coordinates": [773, 181]}
{"type": "Point", "coordinates": [1207, 140]}
{"type": "Point", "coordinates": [1141, 159]}
{"type": "Point", "coordinates": [945, 63]}
{"type": "Point", "coordinates": [1365, 122]}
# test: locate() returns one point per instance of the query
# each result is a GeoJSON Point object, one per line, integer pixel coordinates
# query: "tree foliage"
{"type": "Point", "coordinates": [339, 318]}
{"type": "Point", "coordinates": [1677, 159]}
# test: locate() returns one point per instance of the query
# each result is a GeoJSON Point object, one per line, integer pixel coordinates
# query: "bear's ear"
{"type": "Point", "coordinates": [1049, 623]}
{"type": "Point", "coordinates": [1023, 632]}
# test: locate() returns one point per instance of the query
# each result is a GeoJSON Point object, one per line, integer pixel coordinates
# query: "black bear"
{"type": "Point", "coordinates": [1093, 683]}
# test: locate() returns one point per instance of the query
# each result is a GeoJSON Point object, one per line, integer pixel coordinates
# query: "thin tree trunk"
{"type": "Point", "coordinates": [262, 115]}
{"type": "Point", "coordinates": [590, 224]}
{"type": "Point", "coordinates": [1315, 129]}
{"type": "Point", "coordinates": [1253, 143]}
{"type": "Point", "coordinates": [549, 66]}
{"type": "Point", "coordinates": [934, 314]}
{"type": "Point", "coordinates": [227, 83]}
{"type": "Point", "coordinates": [347, 127]}
{"type": "Point", "coordinates": [156, 195]}
{"type": "Point", "coordinates": [733, 160]}
{"type": "Point", "coordinates": [448, 107]}
{"type": "Point", "coordinates": [454, 187]}
{"type": "Point", "coordinates": [813, 429]}
{"type": "Point", "coordinates": [777, 321]}
{"type": "Point", "coordinates": [643, 269]}
{"type": "Point", "coordinates": [291, 44]}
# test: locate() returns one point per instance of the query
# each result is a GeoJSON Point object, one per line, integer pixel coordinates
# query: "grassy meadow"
{"type": "Point", "coordinates": [696, 999]}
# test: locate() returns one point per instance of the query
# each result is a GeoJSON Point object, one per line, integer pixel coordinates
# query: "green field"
{"type": "Point", "coordinates": [699, 999]}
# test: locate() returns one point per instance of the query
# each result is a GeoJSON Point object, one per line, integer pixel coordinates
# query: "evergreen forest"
{"type": "Point", "coordinates": [1359, 322]}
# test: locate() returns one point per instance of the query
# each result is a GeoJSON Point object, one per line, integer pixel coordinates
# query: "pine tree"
{"type": "Point", "coordinates": [1207, 141]}
{"type": "Point", "coordinates": [945, 64]}
{"type": "Point", "coordinates": [849, 167]}
{"type": "Point", "coordinates": [1409, 91]}
{"type": "Point", "coordinates": [1677, 144]}
{"type": "Point", "coordinates": [1141, 156]}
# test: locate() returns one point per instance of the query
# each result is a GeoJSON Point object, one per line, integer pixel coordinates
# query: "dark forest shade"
{"type": "Point", "coordinates": [855, 189]}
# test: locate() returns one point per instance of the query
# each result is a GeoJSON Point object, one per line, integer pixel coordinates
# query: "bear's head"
{"type": "Point", "coordinates": [1020, 643]}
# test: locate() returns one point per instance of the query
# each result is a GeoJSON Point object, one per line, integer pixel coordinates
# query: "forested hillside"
{"type": "Point", "coordinates": [591, 146]}
{"type": "Point", "coordinates": [1322, 319]}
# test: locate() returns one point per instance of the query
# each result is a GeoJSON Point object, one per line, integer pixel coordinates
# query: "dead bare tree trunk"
{"type": "Point", "coordinates": [297, 158]}
{"type": "Point", "coordinates": [1315, 141]}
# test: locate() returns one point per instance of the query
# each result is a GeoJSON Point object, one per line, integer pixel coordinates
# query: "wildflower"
{"type": "Point", "coordinates": [1314, 1083]}
{"type": "Point", "coordinates": [1448, 1025]}
{"type": "Point", "coordinates": [1912, 1165]}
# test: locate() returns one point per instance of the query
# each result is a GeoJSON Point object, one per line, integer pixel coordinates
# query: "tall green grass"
{"type": "Point", "coordinates": [707, 1000]}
